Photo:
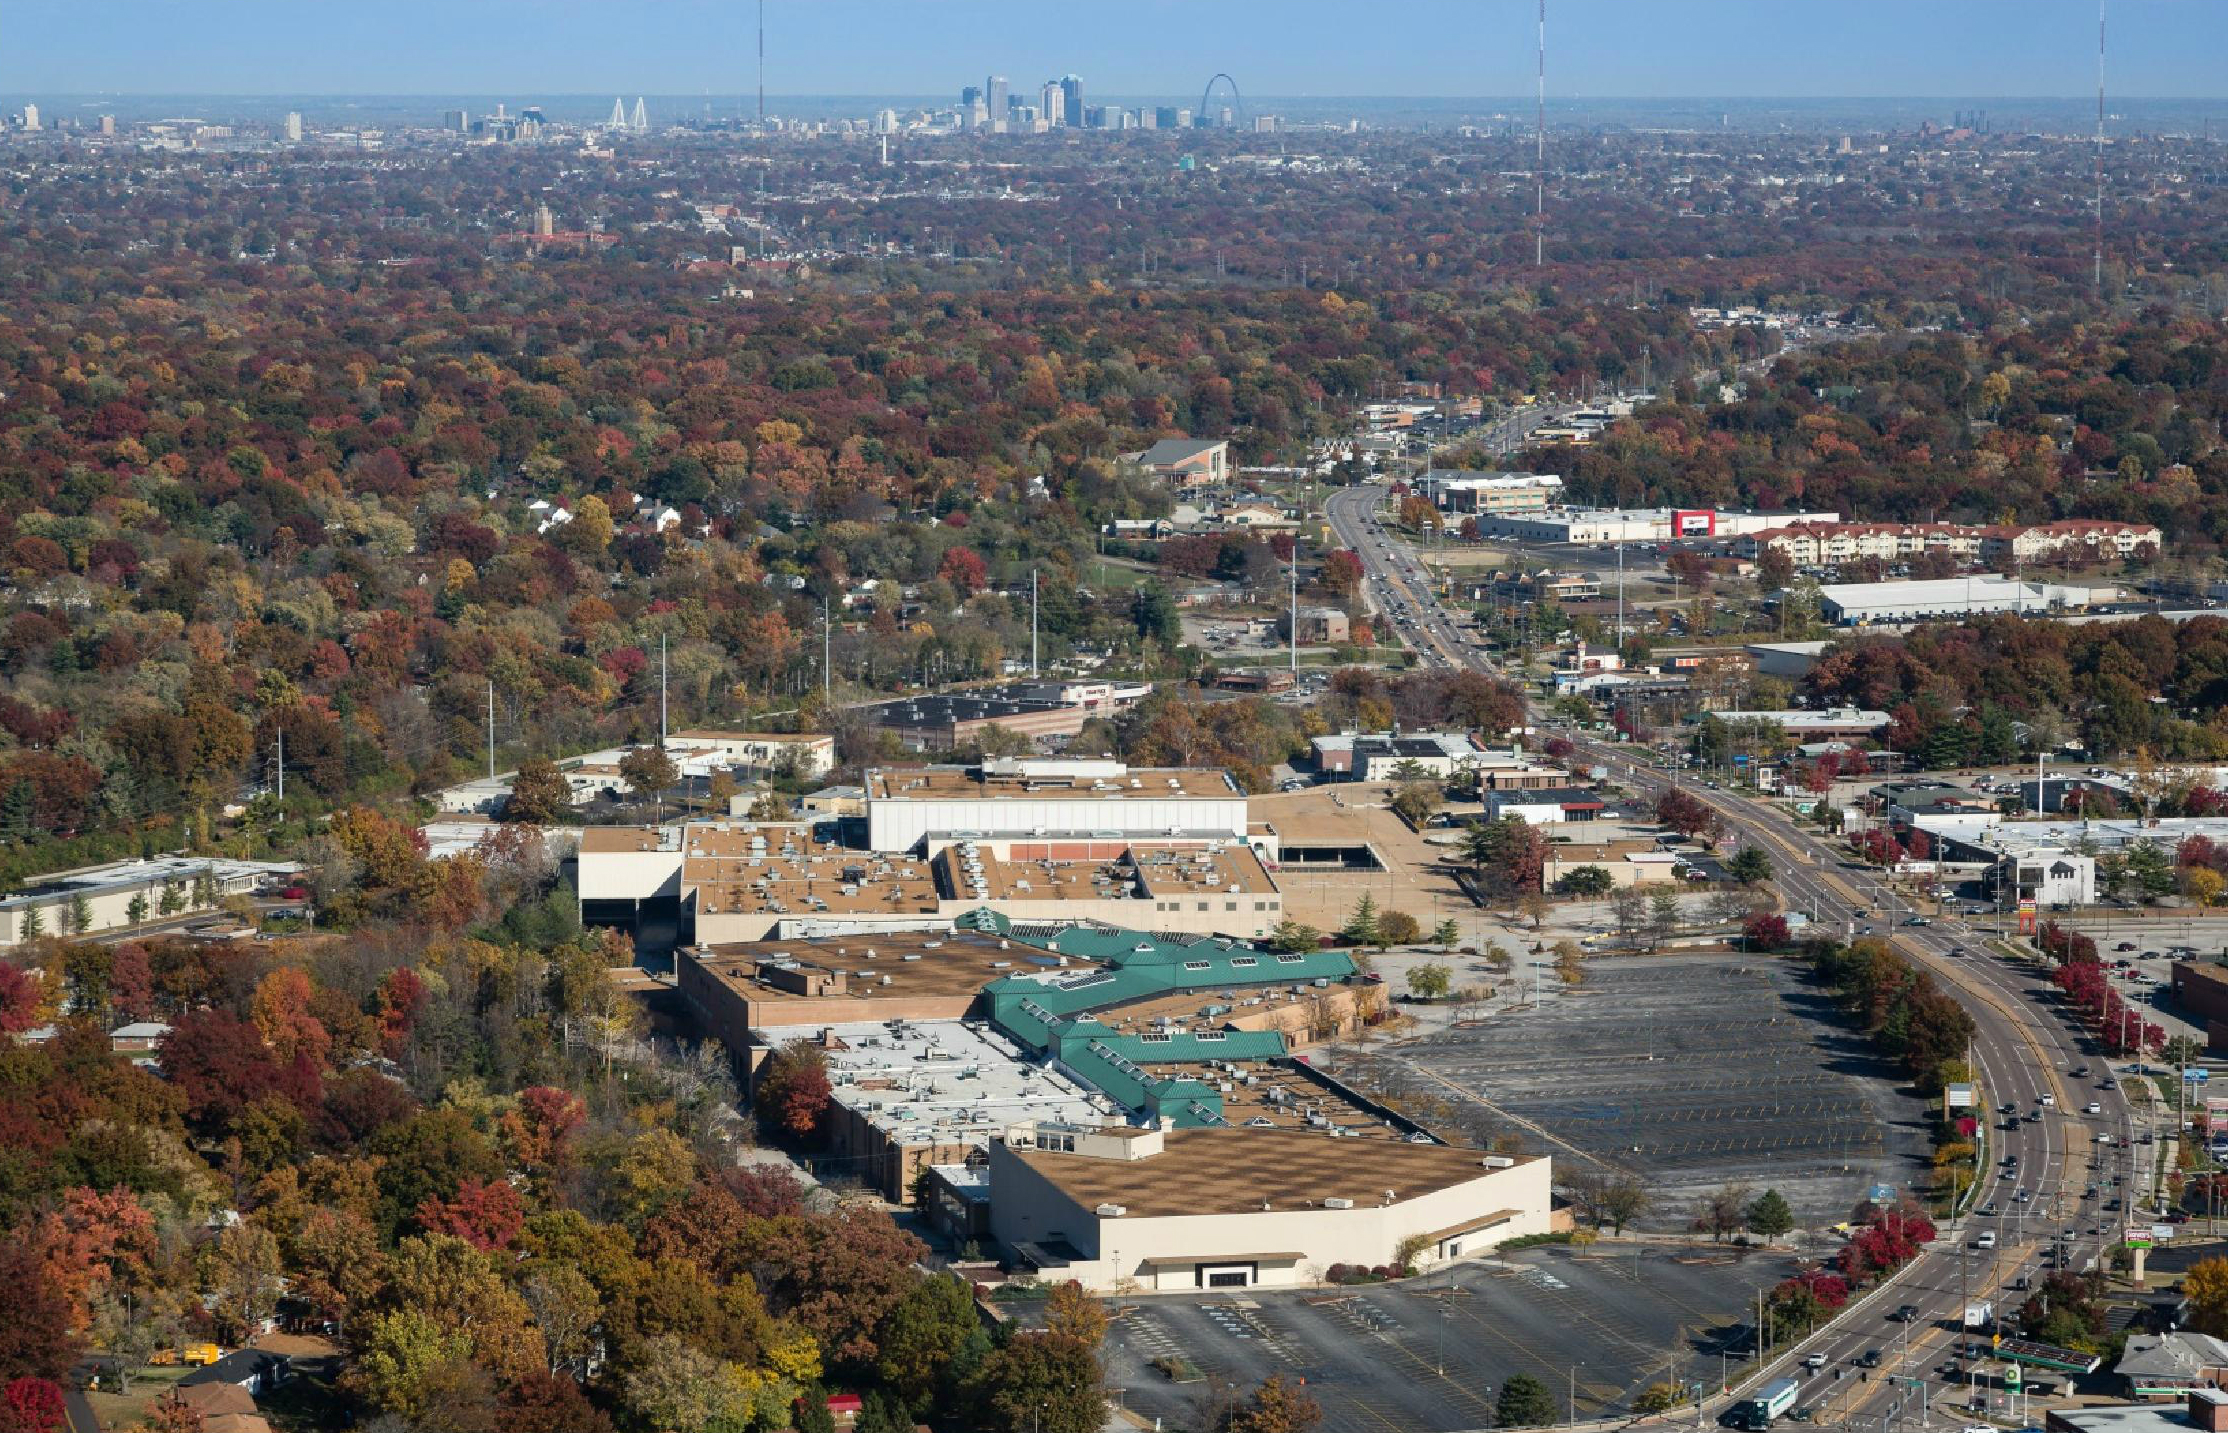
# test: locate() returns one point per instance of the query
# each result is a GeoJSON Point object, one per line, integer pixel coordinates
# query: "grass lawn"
{"type": "Point", "coordinates": [121, 1410]}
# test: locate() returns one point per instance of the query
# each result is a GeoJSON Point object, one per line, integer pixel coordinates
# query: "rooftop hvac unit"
{"type": "Point", "coordinates": [1497, 1161]}
{"type": "Point", "coordinates": [1111, 1211]}
{"type": "Point", "coordinates": [1338, 1202]}
{"type": "Point", "coordinates": [909, 956]}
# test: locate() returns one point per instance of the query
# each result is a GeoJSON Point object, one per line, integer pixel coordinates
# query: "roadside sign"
{"type": "Point", "coordinates": [1958, 1096]}
{"type": "Point", "coordinates": [2139, 1239]}
{"type": "Point", "coordinates": [2161, 1233]}
{"type": "Point", "coordinates": [2195, 1075]}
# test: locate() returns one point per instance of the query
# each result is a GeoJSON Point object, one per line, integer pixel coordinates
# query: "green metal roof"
{"type": "Point", "coordinates": [1048, 1011]}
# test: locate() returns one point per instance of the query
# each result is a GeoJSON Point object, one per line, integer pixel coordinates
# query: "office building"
{"type": "Point", "coordinates": [1071, 98]}
{"type": "Point", "coordinates": [108, 124]}
{"type": "Point", "coordinates": [1052, 104]}
{"type": "Point", "coordinates": [1185, 462]}
{"type": "Point", "coordinates": [1459, 491]}
{"type": "Point", "coordinates": [293, 127]}
{"type": "Point", "coordinates": [1148, 118]}
{"type": "Point", "coordinates": [1049, 800]}
{"type": "Point", "coordinates": [997, 101]}
{"type": "Point", "coordinates": [456, 120]}
{"type": "Point", "coordinates": [945, 723]}
{"type": "Point", "coordinates": [30, 117]}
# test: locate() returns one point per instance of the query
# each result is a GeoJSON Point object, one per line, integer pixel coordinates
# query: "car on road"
{"type": "Point", "coordinates": [1905, 1313]}
{"type": "Point", "coordinates": [1986, 1240]}
{"type": "Point", "coordinates": [2092, 1108]}
{"type": "Point", "coordinates": [1870, 1358]}
{"type": "Point", "coordinates": [2080, 1072]}
{"type": "Point", "coordinates": [2124, 945]}
{"type": "Point", "coordinates": [2020, 1196]}
{"type": "Point", "coordinates": [2046, 1101]}
{"type": "Point", "coordinates": [1815, 1360]}
{"type": "Point", "coordinates": [1918, 920]}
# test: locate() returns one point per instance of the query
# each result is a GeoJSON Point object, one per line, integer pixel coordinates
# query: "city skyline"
{"type": "Point", "coordinates": [1611, 49]}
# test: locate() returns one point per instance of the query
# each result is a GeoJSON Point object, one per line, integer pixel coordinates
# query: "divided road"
{"type": "Point", "coordinates": [2023, 1050]}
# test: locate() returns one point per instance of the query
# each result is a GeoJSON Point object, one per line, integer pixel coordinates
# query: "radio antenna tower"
{"type": "Point", "coordinates": [2100, 146]}
{"type": "Point", "coordinates": [1539, 151]}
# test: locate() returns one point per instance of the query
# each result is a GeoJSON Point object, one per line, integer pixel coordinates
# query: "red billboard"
{"type": "Point", "coordinates": [1693, 522]}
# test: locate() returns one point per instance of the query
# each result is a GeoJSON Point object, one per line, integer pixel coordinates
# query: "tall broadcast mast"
{"type": "Point", "coordinates": [1539, 151]}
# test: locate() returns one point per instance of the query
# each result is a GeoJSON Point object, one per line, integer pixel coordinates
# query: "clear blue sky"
{"type": "Point", "coordinates": [1968, 48]}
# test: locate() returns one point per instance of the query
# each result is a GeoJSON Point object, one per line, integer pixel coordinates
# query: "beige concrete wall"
{"type": "Point", "coordinates": [1027, 1207]}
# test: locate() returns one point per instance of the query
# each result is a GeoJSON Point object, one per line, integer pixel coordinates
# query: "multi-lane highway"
{"type": "Point", "coordinates": [2047, 1189]}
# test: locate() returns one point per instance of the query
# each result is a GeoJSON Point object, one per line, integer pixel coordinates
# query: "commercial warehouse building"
{"type": "Point", "coordinates": [1125, 1208]}
{"type": "Point", "coordinates": [1611, 525]}
{"type": "Point", "coordinates": [732, 882]}
{"type": "Point", "coordinates": [1049, 798]}
{"type": "Point", "coordinates": [123, 893]}
{"type": "Point", "coordinates": [1864, 604]}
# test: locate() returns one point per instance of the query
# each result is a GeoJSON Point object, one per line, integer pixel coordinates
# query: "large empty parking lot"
{"type": "Point", "coordinates": [1692, 1071]}
{"type": "Point", "coordinates": [1605, 1322]}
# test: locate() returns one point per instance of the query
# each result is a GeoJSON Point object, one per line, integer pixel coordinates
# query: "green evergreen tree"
{"type": "Point", "coordinates": [81, 914]}
{"type": "Point", "coordinates": [170, 899]}
{"type": "Point", "coordinates": [1524, 1403]}
{"type": "Point", "coordinates": [1361, 927]}
{"type": "Point", "coordinates": [16, 811]}
{"type": "Point", "coordinates": [137, 910]}
{"type": "Point", "coordinates": [1447, 934]}
{"type": "Point", "coordinates": [1769, 1216]}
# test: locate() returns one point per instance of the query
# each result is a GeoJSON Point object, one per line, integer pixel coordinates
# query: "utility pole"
{"type": "Point", "coordinates": [661, 691]}
{"type": "Point", "coordinates": [491, 730]}
{"type": "Point", "coordinates": [1033, 672]}
{"type": "Point", "coordinates": [827, 656]}
{"type": "Point", "coordinates": [1294, 618]}
{"type": "Point", "coordinates": [282, 765]}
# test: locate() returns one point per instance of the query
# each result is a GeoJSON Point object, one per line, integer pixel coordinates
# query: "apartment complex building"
{"type": "Point", "coordinates": [1831, 544]}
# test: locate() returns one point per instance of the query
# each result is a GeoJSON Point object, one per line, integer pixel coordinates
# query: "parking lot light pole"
{"type": "Point", "coordinates": [1574, 1391]}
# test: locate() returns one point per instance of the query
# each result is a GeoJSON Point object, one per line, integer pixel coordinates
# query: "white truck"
{"type": "Point", "coordinates": [1980, 1315]}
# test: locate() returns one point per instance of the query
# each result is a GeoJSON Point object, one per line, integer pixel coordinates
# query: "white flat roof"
{"type": "Point", "coordinates": [947, 1081]}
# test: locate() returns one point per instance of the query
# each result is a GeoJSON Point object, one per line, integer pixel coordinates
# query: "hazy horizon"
{"type": "Point", "coordinates": [1316, 49]}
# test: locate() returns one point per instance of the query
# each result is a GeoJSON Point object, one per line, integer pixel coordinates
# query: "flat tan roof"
{"type": "Point", "coordinates": [1230, 1171]}
{"type": "Point", "coordinates": [612, 840]}
{"type": "Point", "coordinates": [950, 965]}
{"type": "Point", "coordinates": [713, 734]}
{"type": "Point", "coordinates": [933, 783]}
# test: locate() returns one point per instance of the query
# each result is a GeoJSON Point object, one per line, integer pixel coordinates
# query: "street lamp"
{"type": "Point", "coordinates": [1574, 1391]}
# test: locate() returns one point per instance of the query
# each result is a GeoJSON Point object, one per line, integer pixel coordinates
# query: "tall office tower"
{"type": "Point", "coordinates": [1071, 99]}
{"type": "Point", "coordinates": [456, 120]}
{"type": "Point", "coordinates": [1148, 118]}
{"type": "Point", "coordinates": [970, 106]}
{"type": "Point", "coordinates": [293, 127]}
{"type": "Point", "coordinates": [545, 223]}
{"type": "Point", "coordinates": [30, 116]}
{"type": "Point", "coordinates": [1054, 106]}
{"type": "Point", "coordinates": [108, 124]}
{"type": "Point", "coordinates": [1169, 117]}
{"type": "Point", "coordinates": [995, 96]}
{"type": "Point", "coordinates": [1183, 119]}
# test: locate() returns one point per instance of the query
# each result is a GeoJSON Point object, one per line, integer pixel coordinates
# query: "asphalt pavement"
{"type": "Point", "coordinates": [2023, 1048]}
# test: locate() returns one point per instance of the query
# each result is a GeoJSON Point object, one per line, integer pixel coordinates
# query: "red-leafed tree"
{"type": "Point", "coordinates": [31, 1405]}
{"type": "Point", "coordinates": [793, 1090]}
{"type": "Point", "coordinates": [486, 1215]}
{"type": "Point", "coordinates": [1765, 930]}
{"type": "Point", "coordinates": [21, 999]}
{"type": "Point", "coordinates": [219, 1064]}
{"type": "Point", "coordinates": [965, 570]}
